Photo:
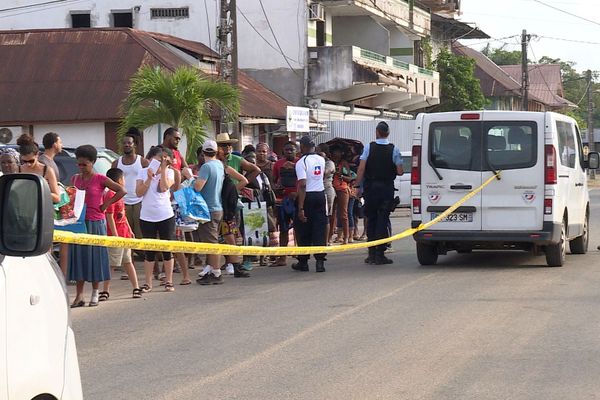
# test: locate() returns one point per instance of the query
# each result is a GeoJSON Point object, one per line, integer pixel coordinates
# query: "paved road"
{"type": "Point", "coordinates": [487, 325]}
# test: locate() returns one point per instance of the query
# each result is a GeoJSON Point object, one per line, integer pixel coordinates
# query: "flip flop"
{"type": "Point", "coordinates": [103, 296]}
{"type": "Point", "coordinates": [80, 303]}
{"type": "Point", "coordinates": [186, 282]}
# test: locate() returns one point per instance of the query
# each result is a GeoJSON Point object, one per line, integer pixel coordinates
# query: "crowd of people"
{"type": "Point", "coordinates": [315, 194]}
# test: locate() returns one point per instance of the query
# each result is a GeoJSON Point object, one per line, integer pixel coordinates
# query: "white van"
{"type": "Point", "coordinates": [402, 182]}
{"type": "Point", "coordinates": [38, 357]}
{"type": "Point", "coordinates": [539, 203]}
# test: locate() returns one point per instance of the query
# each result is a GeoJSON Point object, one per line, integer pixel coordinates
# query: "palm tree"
{"type": "Point", "coordinates": [183, 99]}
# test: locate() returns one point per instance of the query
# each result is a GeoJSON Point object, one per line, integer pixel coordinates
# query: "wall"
{"type": "Point", "coordinates": [73, 135]}
{"type": "Point", "coordinates": [401, 47]}
{"type": "Point", "coordinates": [363, 32]}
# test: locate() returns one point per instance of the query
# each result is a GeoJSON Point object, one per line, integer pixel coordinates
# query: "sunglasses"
{"type": "Point", "coordinates": [30, 162]}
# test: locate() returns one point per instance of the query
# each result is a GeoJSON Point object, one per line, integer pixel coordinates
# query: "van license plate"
{"type": "Point", "coordinates": [455, 217]}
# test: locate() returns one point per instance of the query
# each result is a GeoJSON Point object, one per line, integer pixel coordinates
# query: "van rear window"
{"type": "Point", "coordinates": [483, 146]}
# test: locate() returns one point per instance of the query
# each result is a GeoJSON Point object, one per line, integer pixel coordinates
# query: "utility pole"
{"type": "Point", "coordinates": [590, 118]}
{"type": "Point", "coordinates": [524, 71]}
{"type": "Point", "coordinates": [228, 70]}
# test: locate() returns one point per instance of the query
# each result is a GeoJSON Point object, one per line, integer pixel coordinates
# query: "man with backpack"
{"type": "Point", "coordinates": [210, 184]}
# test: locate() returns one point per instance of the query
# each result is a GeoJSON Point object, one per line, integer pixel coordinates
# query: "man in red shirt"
{"type": "Point", "coordinates": [171, 139]}
{"type": "Point", "coordinates": [284, 175]}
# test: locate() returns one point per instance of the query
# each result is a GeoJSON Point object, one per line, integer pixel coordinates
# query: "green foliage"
{"type": "Point", "coordinates": [427, 52]}
{"type": "Point", "coordinates": [459, 89]}
{"type": "Point", "coordinates": [501, 56]}
{"type": "Point", "coordinates": [183, 99]}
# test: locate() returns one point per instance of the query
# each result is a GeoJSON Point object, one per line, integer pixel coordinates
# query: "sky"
{"type": "Point", "coordinates": [500, 19]}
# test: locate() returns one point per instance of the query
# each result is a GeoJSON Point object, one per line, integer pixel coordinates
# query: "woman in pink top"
{"type": "Point", "coordinates": [90, 263]}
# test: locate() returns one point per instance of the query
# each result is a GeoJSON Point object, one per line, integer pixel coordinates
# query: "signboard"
{"type": "Point", "coordinates": [297, 119]}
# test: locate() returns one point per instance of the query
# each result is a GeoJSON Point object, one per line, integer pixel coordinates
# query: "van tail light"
{"type": "Point", "coordinates": [550, 165]}
{"type": "Point", "coordinates": [415, 170]}
{"type": "Point", "coordinates": [548, 206]}
{"type": "Point", "coordinates": [470, 116]}
{"type": "Point", "coordinates": [416, 206]}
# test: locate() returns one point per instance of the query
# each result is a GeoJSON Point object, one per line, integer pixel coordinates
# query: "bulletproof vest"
{"type": "Point", "coordinates": [380, 165]}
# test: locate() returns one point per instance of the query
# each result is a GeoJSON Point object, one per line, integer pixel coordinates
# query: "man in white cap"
{"type": "Point", "coordinates": [210, 184]}
{"type": "Point", "coordinates": [311, 218]}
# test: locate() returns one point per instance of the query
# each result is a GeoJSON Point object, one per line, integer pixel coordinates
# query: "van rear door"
{"type": "Point", "coordinates": [513, 144]}
{"type": "Point", "coordinates": [451, 168]}
{"type": "Point", "coordinates": [3, 342]}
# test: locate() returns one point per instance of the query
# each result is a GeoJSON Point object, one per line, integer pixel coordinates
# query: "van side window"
{"type": "Point", "coordinates": [510, 145]}
{"type": "Point", "coordinates": [451, 146]}
{"type": "Point", "coordinates": [566, 143]}
{"type": "Point", "coordinates": [579, 144]}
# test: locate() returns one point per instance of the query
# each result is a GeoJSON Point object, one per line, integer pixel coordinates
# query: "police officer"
{"type": "Point", "coordinates": [311, 217]}
{"type": "Point", "coordinates": [380, 162]}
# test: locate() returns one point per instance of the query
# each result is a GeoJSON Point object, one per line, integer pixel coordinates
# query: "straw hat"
{"type": "Point", "coordinates": [223, 138]}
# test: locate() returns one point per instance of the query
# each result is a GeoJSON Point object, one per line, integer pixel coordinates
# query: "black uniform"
{"type": "Point", "coordinates": [378, 192]}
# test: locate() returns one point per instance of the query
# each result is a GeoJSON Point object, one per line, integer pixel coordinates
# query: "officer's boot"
{"type": "Point", "coordinates": [380, 258]}
{"type": "Point", "coordinates": [371, 258]}
{"type": "Point", "coordinates": [320, 267]}
{"type": "Point", "coordinates": [301, 265]}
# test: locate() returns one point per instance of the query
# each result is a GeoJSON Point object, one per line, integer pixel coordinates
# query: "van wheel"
{"type": "Point", "coordinates": [426, 254]}
{"type": "Point", "coordinates": [556, 253]}
{"type": "Point", "coordinates": [579, 245]}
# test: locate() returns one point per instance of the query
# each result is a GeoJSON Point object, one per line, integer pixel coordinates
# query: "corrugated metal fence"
{"type": "Point", "coordinates": [400, 132]}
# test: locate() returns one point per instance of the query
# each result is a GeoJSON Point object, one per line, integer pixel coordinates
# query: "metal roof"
{"type": "Point", "coordinates": [451, 28]}
{"type": "Point", "coordinates": [545, 83]}
{"type": "Point", "coordinates": [82, 75]}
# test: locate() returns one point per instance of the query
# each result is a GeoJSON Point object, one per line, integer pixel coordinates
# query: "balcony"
{"type": "Point", "coordinates": [448, 7]}
{"type": "Point", "coordinates": [413, 21]}
{"type": "Point", "coordinates": [351, 75]}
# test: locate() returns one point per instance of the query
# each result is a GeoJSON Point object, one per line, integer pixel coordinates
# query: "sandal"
{"type": "Point", "coordinates": [137, 293]}
{"type": "Point", "coordinates": [124, 277]}
{"type": "Point", "coordinates": [278, 263]}
{"type": "Point", "coordinates": [169, 287]}
{"type": "Point", "coordinates": [146, 288]}
{"type": "Point", "coordinates": [77, 304]}
{"type": "Point", "coordinates": [185, 282]}
{"type": "Point", "coordinates": [103, 296]}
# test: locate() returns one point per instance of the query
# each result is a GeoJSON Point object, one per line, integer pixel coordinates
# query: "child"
{"type": "Point", "coordinates": [117, 225]}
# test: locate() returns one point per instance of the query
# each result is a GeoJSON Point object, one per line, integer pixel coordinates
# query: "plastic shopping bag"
{"type": "Point", "coordinates": [255, 225]}
{"type": "Point", "coordinates": [192, 205]}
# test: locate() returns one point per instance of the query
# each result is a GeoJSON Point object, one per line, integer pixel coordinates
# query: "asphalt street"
{"type": "Point", "coordinates": [487, 325]}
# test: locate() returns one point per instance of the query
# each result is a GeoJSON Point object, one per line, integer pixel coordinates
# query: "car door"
{"type": "Point", "coordinates": [579, 197]}
{"type": "Point", "coordinates": [515, 147]}
{"type": "Point", "coordinates": [451, 169]}
{"type": "Point", "coordinates": [3, 342]}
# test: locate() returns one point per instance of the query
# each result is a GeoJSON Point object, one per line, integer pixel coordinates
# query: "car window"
{"type": "Point", "coordinates": [19, 209]}
{"type": "Point", "coordinates": [580, 148]}
{"type": "Point", "coordinates": [406, 164]}
{"type": "Point", "coordinates": [566, 143]}
{"type": "Point", "coordinates": [510, 145]}
{"type": "Point", "coordinates": [102, 165]}
{"type": "Point", "coordinates": [455, 145]}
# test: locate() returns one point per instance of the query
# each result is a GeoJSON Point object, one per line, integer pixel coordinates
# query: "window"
{"type": "Point", "coordinates": [183, 12]}
{"type": "Point", "coordinates": [122, 19]}
{"type": "Point", "coordinates": [510, 145]}
{"type": "Point", "coordinates": [566, 143]}
{"type": "Point", "coordinates": [81, 20]}
{"type": "Point", "coordinates": [454, 145]}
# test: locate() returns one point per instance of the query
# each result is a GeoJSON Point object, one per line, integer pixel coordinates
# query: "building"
{"type": "Point", "coordinates": [501, 85]}
{"type": "Point", "coordinates": [72, 81]}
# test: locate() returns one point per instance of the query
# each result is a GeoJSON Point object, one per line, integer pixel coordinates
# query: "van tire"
{"type": "Point", "coordinates": [426, 254]}
{"type": "Point", "coordinates": [556, 253]}
{"type": "Point", "coordinates": [579, 245]}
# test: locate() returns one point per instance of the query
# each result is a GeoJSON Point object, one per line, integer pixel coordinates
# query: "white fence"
{"type": "Point", "coordinates": [400, 132]}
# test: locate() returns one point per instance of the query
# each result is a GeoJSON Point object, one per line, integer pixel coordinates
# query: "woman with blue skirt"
{"type": "Point", "coordinates": [90, 263]}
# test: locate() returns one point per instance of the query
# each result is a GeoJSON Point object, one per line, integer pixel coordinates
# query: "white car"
{"type": "Point", "coordinates": [402, 182]}
{"type": "Point", "coordinates": [38, 356]}
{"type": "Point", "coordinates": [539, 203]}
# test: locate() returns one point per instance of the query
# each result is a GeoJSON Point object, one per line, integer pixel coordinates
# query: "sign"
{"type": "Point", "coordinates": [297, 119]}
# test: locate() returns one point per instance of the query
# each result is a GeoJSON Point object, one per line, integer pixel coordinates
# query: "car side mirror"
{"type": "Point", "coordinates": [593, 160]}
{"type": "Point", "coordinates": [26, 215]}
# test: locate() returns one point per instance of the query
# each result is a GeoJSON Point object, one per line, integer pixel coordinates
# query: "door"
{"type": "Point", "coordinates": [3, 343]}
{"type": "Point", "coordinates": [515, 202]}
{"type": "Point", "coordinates": [572, 155]}
{"type": "Point", "coordinates": [451, 168]}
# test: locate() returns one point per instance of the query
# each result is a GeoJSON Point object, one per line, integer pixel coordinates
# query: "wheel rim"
{"type": "Point", "coordinates": [586, 237]}
{"type": "Point", "coordinates": [563, 243]}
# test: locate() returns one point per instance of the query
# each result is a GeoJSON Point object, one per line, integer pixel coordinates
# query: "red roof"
{"type": "Point", "coordinates": [82, 75]}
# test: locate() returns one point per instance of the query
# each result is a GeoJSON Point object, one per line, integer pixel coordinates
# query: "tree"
{"type": "Point", "coordinates": [183, 99]}
{"type": "Point", "coordinates": [459, 88]}
{"type": "Point", "coordinates": [502, 57]}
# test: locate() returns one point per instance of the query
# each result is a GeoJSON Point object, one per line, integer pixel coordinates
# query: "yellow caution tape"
{"type": "Point", "coordinates": [227, 249]}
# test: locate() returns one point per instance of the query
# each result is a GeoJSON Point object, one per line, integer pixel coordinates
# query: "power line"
{"type": "Point", "coordinates": [569, 40]}
{"type": "Point", "coordinates": [567, 12]}
{"type": "Point", "coordinates": [264, 38]}
{"type": "Point", "coordinates": [32, 5]}
{"type": "Point", "coordinates": [275, 37]}
{"type": "Point", "coordinates": [207, 25]}
{"type": "Point", "coordinates": [43, 7]}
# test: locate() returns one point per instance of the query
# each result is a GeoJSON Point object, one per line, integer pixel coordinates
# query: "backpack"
{"type": "Point", "coordinates": [229, 198]}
